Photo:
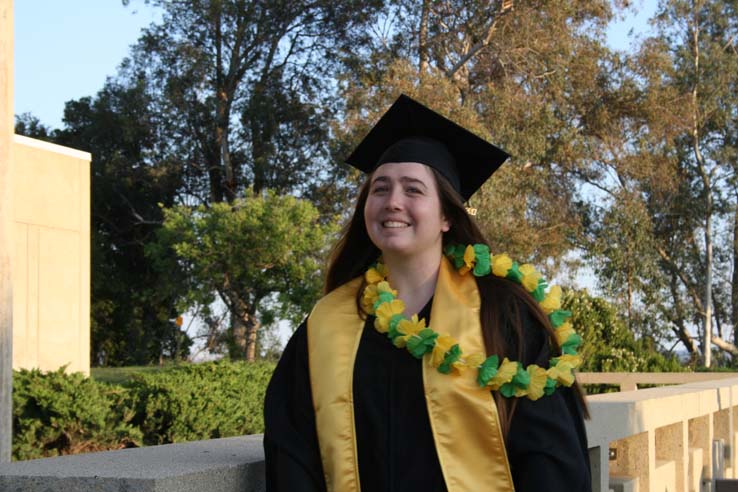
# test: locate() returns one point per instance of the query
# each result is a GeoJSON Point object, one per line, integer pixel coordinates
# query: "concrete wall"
{"type": "Point", "coordinates": [6, 227]}
{"type": "Point", "coordinates": [51, 256]}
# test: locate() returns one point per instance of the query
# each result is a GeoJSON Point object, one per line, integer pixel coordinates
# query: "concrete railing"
{"type": "Point", "coordinates": [672, 438]}
{"type": "Point", "coordinates": [649, 440]}
{"type": "Point", "coordinates": [629, 381]}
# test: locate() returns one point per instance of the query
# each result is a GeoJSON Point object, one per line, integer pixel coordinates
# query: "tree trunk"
{"type": "Point", "coordinates": [238, 337]}
{"type": "Point", "coordinates": [222, 117]}
{"type": "Point", "coordinates": [707, 188]}
{"type": "Point", "coordinates": [252, 326]}
{"type": "Point", "coordinates": [260, 137]}
{"type": "Point", "coordinates": [734, 285]}
{"type": "Point", "coordinates": [423, 38]}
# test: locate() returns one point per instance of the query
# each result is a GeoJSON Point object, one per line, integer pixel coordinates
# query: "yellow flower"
{"type": "Point", "coordinates": [537, 383]}
{"type": "Point", "coordinates": [474, 360]}
{"type": "Point", "coordinates": [552, 302]}
{"type": "Point", "coordinates": [376, 275]}
{"type": "Point", "coordinates": [501, 264]}
{"type": "Point", "coordinates": [369, 297]}
{"type": "Point", "coordinates": [563, 332]}
{"type": "Point", "coordinates": [530, 277]}
{"type": "Point", "coordinates": [385, 312]}
{"type": "Point", "coordinates": [469, 259]}
{"type": "Point", "coordinates": [504, 374]}
{"type": "Point", "coordinates": [443, 345]}
{"type": "Point", "coordinates": [409, 327]}
{"type": "Point", "coordinates": [573, 360]}
{"type": "Point", "coordinates": [562, 372]}
{"type": "Point", "coordinates": [385, 287]}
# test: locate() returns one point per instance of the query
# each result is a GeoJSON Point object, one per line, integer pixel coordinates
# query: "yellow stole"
{"type": "Point", "coordinates": [463, 417]}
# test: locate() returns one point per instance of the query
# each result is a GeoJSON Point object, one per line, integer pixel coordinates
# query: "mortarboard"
{"type": "Point", "coordinates": [411, 132]}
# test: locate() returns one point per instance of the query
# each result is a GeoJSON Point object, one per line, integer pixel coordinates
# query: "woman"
{"type": "Point", "coordinates": [484, 399]}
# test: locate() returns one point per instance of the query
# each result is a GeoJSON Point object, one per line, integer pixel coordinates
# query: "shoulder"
{"type": "Point", "coordinates": [341, 298]}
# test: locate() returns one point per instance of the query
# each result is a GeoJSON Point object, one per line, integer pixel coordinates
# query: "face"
{"type": "Point", "coordinates": [403, 210]}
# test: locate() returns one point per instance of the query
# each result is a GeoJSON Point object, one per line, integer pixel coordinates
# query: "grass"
{"type": "Point", "coordinates": [121, 375]}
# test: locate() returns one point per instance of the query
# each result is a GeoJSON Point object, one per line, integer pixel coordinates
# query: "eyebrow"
{"type": "Point", "coordinates": [403, 179]}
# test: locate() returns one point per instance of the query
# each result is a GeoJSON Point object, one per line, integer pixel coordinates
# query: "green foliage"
{"type": "Point", "coordinates": [123, 375]}
{"type": "Point", "coordinates": [132, 306]}
{"type": "Point", "coordinates": [57, 413]}
{"type": "Point", "coordinates": [201, 401]}
{"type": "Point", "coordinates": [609, 346]}
{"type": "Point", "coordinates": [260, 254]}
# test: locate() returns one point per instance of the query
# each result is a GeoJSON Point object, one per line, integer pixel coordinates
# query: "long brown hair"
{"type": "Point", "coordinates": [503, 302]}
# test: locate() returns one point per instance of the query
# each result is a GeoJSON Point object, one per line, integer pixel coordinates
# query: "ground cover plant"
{"type": "Point", "coordinates": [56, 413]}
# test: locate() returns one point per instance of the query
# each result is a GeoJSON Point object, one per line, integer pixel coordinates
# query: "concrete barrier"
{"type": "Point", "coordinates": [216, 465]}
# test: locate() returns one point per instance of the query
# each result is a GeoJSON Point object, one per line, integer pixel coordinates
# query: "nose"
{"type": "Point", "coordinates": [394, 199]}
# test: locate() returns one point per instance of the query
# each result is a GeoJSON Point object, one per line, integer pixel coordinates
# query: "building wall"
{"type": "Point", "coordinates": [51, 261]}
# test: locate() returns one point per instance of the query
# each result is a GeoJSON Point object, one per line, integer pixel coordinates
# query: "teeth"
{"type": "Point", "coordinates": [392, 223]}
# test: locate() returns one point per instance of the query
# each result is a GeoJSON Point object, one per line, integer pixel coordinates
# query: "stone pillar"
{"type": "Point", "coordinates": [6, 217]}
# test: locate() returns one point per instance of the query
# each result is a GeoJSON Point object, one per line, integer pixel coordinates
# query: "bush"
{"type": "Point", "coordinates": [201, 401]}
{"type": "Point", "coordinates": [609, 346]}
{"type": "Point", "coordinates": [56, 413]}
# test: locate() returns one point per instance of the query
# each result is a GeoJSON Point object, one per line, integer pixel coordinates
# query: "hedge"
{"type": "Point", "coordinates": [58, 413]}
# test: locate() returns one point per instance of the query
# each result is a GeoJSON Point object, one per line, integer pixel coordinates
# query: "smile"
{"type": "Point", "coordinates": [393, 224]}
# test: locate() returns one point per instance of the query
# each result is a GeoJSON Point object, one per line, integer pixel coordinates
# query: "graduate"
{"type": "Point", "coordinates": [431, 363]}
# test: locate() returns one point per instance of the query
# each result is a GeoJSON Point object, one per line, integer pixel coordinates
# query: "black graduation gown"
{"type": "Point", "coordinates": [546, 445]}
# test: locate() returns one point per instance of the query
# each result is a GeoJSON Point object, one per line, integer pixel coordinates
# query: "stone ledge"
{"type": "Point", "coordinates": [216, 465]}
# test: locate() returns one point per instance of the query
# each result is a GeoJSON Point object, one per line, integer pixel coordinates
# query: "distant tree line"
{"type": "Point", "coordinates": [623, 161]}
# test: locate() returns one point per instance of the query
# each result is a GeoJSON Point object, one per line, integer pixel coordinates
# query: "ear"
{"type": "Point", "coordinates": [445, 224]}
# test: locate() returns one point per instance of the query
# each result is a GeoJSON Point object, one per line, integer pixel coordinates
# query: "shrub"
{"type": "Point", "coordinates": [200, 401]}
{"type": "Point", "coordinates": [56, 413]}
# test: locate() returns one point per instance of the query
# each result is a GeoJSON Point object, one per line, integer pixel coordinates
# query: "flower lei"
{"type": "Point", "coordinates": [508, 377]}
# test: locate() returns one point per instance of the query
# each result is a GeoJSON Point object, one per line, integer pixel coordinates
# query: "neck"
{"type": "Point", "coordinates": [414, 278]}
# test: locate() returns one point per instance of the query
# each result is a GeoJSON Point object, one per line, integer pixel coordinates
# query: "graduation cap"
{"type": "Point", "coordinates": [410, 132]}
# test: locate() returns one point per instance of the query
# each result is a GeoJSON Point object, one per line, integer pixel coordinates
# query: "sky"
{"type": "Point", "coordinates": [65, 50]}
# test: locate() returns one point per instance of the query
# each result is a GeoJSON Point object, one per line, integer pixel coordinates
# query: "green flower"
{"type": "Point", "coordinates": [550, 386]}
{"type": "Point", "coordinates": [422, 343]}
{"type": "Point", "coordinates": [521, 378]}
{"type": "Point", "coordinates": [514, 273]}
{"type": "Point", "coordinates": [456, 253]}
{"type": "Point", "coordinates": [487, 370]}
{"type": "Point", "coordinates": [451, 356]}
{"type": "Point", "coordinates": [571, 344]}
{"type": "Point", "coordinates": [507, 390]}
{"type": "Point", "coordinates": [540, 292]}
{"type": "Point", "coordinates": [558, 317]}
{"type": "Point", "coordinates": [483, 265]}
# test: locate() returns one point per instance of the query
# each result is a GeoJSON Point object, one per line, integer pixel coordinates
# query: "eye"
{"type": "Point", "coordinates": [414, 190]}
{"type": "Point", "coordinates": [380, 188]}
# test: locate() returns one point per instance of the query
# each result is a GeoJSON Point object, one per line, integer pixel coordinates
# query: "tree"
{"type": "Point", "coordinates": [510, 72]}
{"type": "Point", "coordinates": [664, 158]}
{"type": "Point", "coordinates": [260, 256]}
{"type": "Point", "coordinates": [609, 346]}
{"type": "Point", "coordinates": [132, 309]}
{"type": "Point", "coordinates": [243, 90]}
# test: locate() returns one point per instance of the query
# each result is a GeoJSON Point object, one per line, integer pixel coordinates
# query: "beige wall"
{"type": "Point", "coordinates": [51, 262]}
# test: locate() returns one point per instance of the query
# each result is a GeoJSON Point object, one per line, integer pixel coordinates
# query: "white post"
{"type": "Point", "coordinates": [6, 293]}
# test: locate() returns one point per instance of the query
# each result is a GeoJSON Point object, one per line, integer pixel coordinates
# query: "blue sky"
{"type": "Point", "coordinates": [65, 49]}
